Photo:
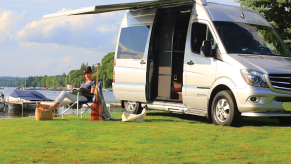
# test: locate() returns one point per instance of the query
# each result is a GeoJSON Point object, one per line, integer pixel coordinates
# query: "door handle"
{"type": "Point", "coordinates": [142, 62]}
{"type": "Point", "coordinates": [190, 62]}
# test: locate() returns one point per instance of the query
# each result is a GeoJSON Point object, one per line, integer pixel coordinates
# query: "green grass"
{"type": "Point", "coordinates": [287, 106]}
{"type": "Point", "coordinates": [163, 138]}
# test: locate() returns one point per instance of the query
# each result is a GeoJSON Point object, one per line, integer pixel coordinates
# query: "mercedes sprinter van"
{"type": "Point", "coordinates": [189, 56]}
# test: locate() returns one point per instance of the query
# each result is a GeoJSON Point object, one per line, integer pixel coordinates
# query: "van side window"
{"type": "Point", "coordinates": [198, 36]}
{"type": "Point", "coordinates": [200, 32]}
{"type": "Point", "coordinates": [132, 42]}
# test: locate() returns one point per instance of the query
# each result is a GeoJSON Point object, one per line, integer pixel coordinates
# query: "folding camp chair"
{"type": "Point", "coordinates": [78, 104]}
{"type": "Point", "coordinates": [88, 104]}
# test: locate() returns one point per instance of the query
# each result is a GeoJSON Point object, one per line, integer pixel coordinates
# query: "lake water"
{"type": "Point", "coordinates": [108, 96]}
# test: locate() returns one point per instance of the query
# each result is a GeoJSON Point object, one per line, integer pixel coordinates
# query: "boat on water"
{"type": "Point", "coordinates": [27, 97]}
{"type": "Point", "coordinates": [38, 88]}
{"type": "Point", "coordinates": [2, 102]}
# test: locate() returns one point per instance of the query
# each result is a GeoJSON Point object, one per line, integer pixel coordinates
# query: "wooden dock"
{"type": "Point", "coordinates": [19, 103]}
{"type": "Point", "coordinates": [109, 105]}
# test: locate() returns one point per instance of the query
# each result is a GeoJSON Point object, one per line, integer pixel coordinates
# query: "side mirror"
{"type": "Point", "coordinates": [206, 48]}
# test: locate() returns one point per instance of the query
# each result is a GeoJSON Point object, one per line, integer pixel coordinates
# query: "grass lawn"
{"type": "Point", "coordinates": [163, 138]}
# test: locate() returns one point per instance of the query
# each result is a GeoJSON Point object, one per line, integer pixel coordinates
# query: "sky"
{"type": "Point", "coordinates": [32, 46]}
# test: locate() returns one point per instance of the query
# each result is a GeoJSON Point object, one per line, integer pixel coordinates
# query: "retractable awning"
{"type": "Point", "coordinates": [122, 6]}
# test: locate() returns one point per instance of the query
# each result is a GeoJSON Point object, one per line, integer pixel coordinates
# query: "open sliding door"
{"type": "Point", "coordinates": [131, 55]}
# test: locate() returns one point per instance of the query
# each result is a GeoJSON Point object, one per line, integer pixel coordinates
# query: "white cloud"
{"type": "Point", "coordinates": [40, 59]}
{"type": "Point", "coordinates": [45, 63]}
{"type": "Point", "coordinates": [66, 59]}
{"type": "Point", "coordinates": [49, 62]}
{"type": "Point", "coordinates": [8, 20]}
{"type": "Point", "coordinates": [81, 30]}
{"type": "Point", "coordinates": [103, 28]}
{"type": "Point", "coordinates": [125, 53]}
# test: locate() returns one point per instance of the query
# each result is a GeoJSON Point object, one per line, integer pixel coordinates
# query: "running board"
{"type": "Point", "coordinates": [197, 112]}
{"type": "Point", "coordinates": [176, 108]}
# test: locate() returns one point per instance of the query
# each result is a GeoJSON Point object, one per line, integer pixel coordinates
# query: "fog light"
{"type": "Point", "coordinates": [253, 99]}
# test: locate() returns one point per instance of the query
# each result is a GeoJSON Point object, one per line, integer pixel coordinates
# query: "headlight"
{"type": "Point", "coordinates": [254, 78]}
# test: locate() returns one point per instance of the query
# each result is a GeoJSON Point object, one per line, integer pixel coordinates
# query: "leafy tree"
{"type": "Point", "coordinates": [10, 81]}
{"type": "Point", "coordinates": [83, 66]}
{"type": "Point", "coordinates": [277, 12]}
{"type": "Point", "coordinates": [106, 69]}
{"type": "Point", "coordinates": [76, 76]}
{"type": "Point", "coordinates": [94, 68]}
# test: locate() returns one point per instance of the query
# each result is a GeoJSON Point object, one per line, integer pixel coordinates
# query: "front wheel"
{"type": "Point", "coordinates": [224, 110]}
{"type": "Point", "coordinates": [132, 107]}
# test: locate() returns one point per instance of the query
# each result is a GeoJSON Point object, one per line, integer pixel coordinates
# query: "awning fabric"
{"type": "Point", "coordinates": [121, 6]}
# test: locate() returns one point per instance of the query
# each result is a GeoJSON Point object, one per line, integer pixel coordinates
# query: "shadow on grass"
{"type": "Point", "coordinates": [261, 121]}
{"type": "Point", "coordinates": [245, 121]}
{"type": "Point", "coordinates": [180, 116]}
{"type": "Point", "coordinates": [160, 120]}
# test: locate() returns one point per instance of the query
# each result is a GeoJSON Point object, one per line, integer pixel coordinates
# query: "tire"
{"type": "Point", "coordinates": [285, 120]}
{"type": "Point", "coordinates": [224, 109]}
{"type": "Point", "coordinates": [132, 107]}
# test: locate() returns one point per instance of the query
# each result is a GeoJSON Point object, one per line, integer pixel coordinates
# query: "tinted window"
{"type": "Point", "coordinates": [242, 38]}
{"type": "Point", "coordinates": [200, 32]}
{"type": "Point", "coordinates": [132, 42]}
{"type": "Point", "coordinates": [198, 36]}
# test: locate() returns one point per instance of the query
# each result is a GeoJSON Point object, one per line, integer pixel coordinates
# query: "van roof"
{"type": "Point", "coordinates": [220, 12]}
{"type": "Point", "coordinates": [123, 6]}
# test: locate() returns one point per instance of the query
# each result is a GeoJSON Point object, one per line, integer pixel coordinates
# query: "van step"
{"type": "Point", "coordinates": [198, 112]}
{"type": "Point", "coordinates": [177, 110]}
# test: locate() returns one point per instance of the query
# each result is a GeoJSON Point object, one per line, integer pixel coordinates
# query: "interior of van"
{"type": "Point", "coordinates": [166, 54]}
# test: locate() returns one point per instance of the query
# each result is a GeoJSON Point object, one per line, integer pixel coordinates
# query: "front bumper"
{"type": "Point", "coordinates": [267, 114]}
{"type": "Point", "coordinates": [267, 102]}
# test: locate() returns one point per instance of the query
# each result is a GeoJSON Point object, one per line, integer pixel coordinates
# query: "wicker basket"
{"type": "Point", "coordinates": [43, 114]}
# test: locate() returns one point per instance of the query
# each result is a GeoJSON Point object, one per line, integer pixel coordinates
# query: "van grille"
{"type": "Point", "coordinates": [281, 81]}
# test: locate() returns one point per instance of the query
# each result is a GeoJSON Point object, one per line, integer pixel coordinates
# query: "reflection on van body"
{"type": "Point", "coordinates": [199, 58]}
{"type": "Point", "coordinates": [132, 42]}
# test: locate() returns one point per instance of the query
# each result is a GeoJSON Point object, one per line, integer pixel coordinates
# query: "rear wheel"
{"type": "Point", "coordinates": [132, 107]}
{"type": "Point", "coordinates": [224, 110]}
{"type": "Point", "coordinates": [285, 120]}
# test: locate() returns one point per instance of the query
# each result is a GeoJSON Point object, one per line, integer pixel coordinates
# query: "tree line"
{"type": "Point", "coordinates": [74, 77]}
{"type": "Point", "coordinates": [276, 12]}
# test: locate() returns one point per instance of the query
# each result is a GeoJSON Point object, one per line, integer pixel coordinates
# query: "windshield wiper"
{"type": "Point", "coordinates": [271, 54]}
{"type": "Point", "coordinates": [248, 53]}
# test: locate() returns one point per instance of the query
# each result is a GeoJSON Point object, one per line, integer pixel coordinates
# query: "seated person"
{"type": "Point", "coordinates": [89, 84]}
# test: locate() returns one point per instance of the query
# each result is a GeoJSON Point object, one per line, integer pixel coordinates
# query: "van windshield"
{"type": "Point", "coordinates": [242, 38]}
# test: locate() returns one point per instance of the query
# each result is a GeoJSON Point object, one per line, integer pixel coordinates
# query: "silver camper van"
{"type": "Point", "coordinates": [189, 56]}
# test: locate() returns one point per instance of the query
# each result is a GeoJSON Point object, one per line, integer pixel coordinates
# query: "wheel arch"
{"type": "Point", "coordinates": [216, 90]}
{"type": "Point", "coordinates": [220, 84]}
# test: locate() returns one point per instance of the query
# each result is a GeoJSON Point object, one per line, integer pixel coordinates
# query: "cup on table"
{"type": "Point", "coordinates": [69, 87]}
